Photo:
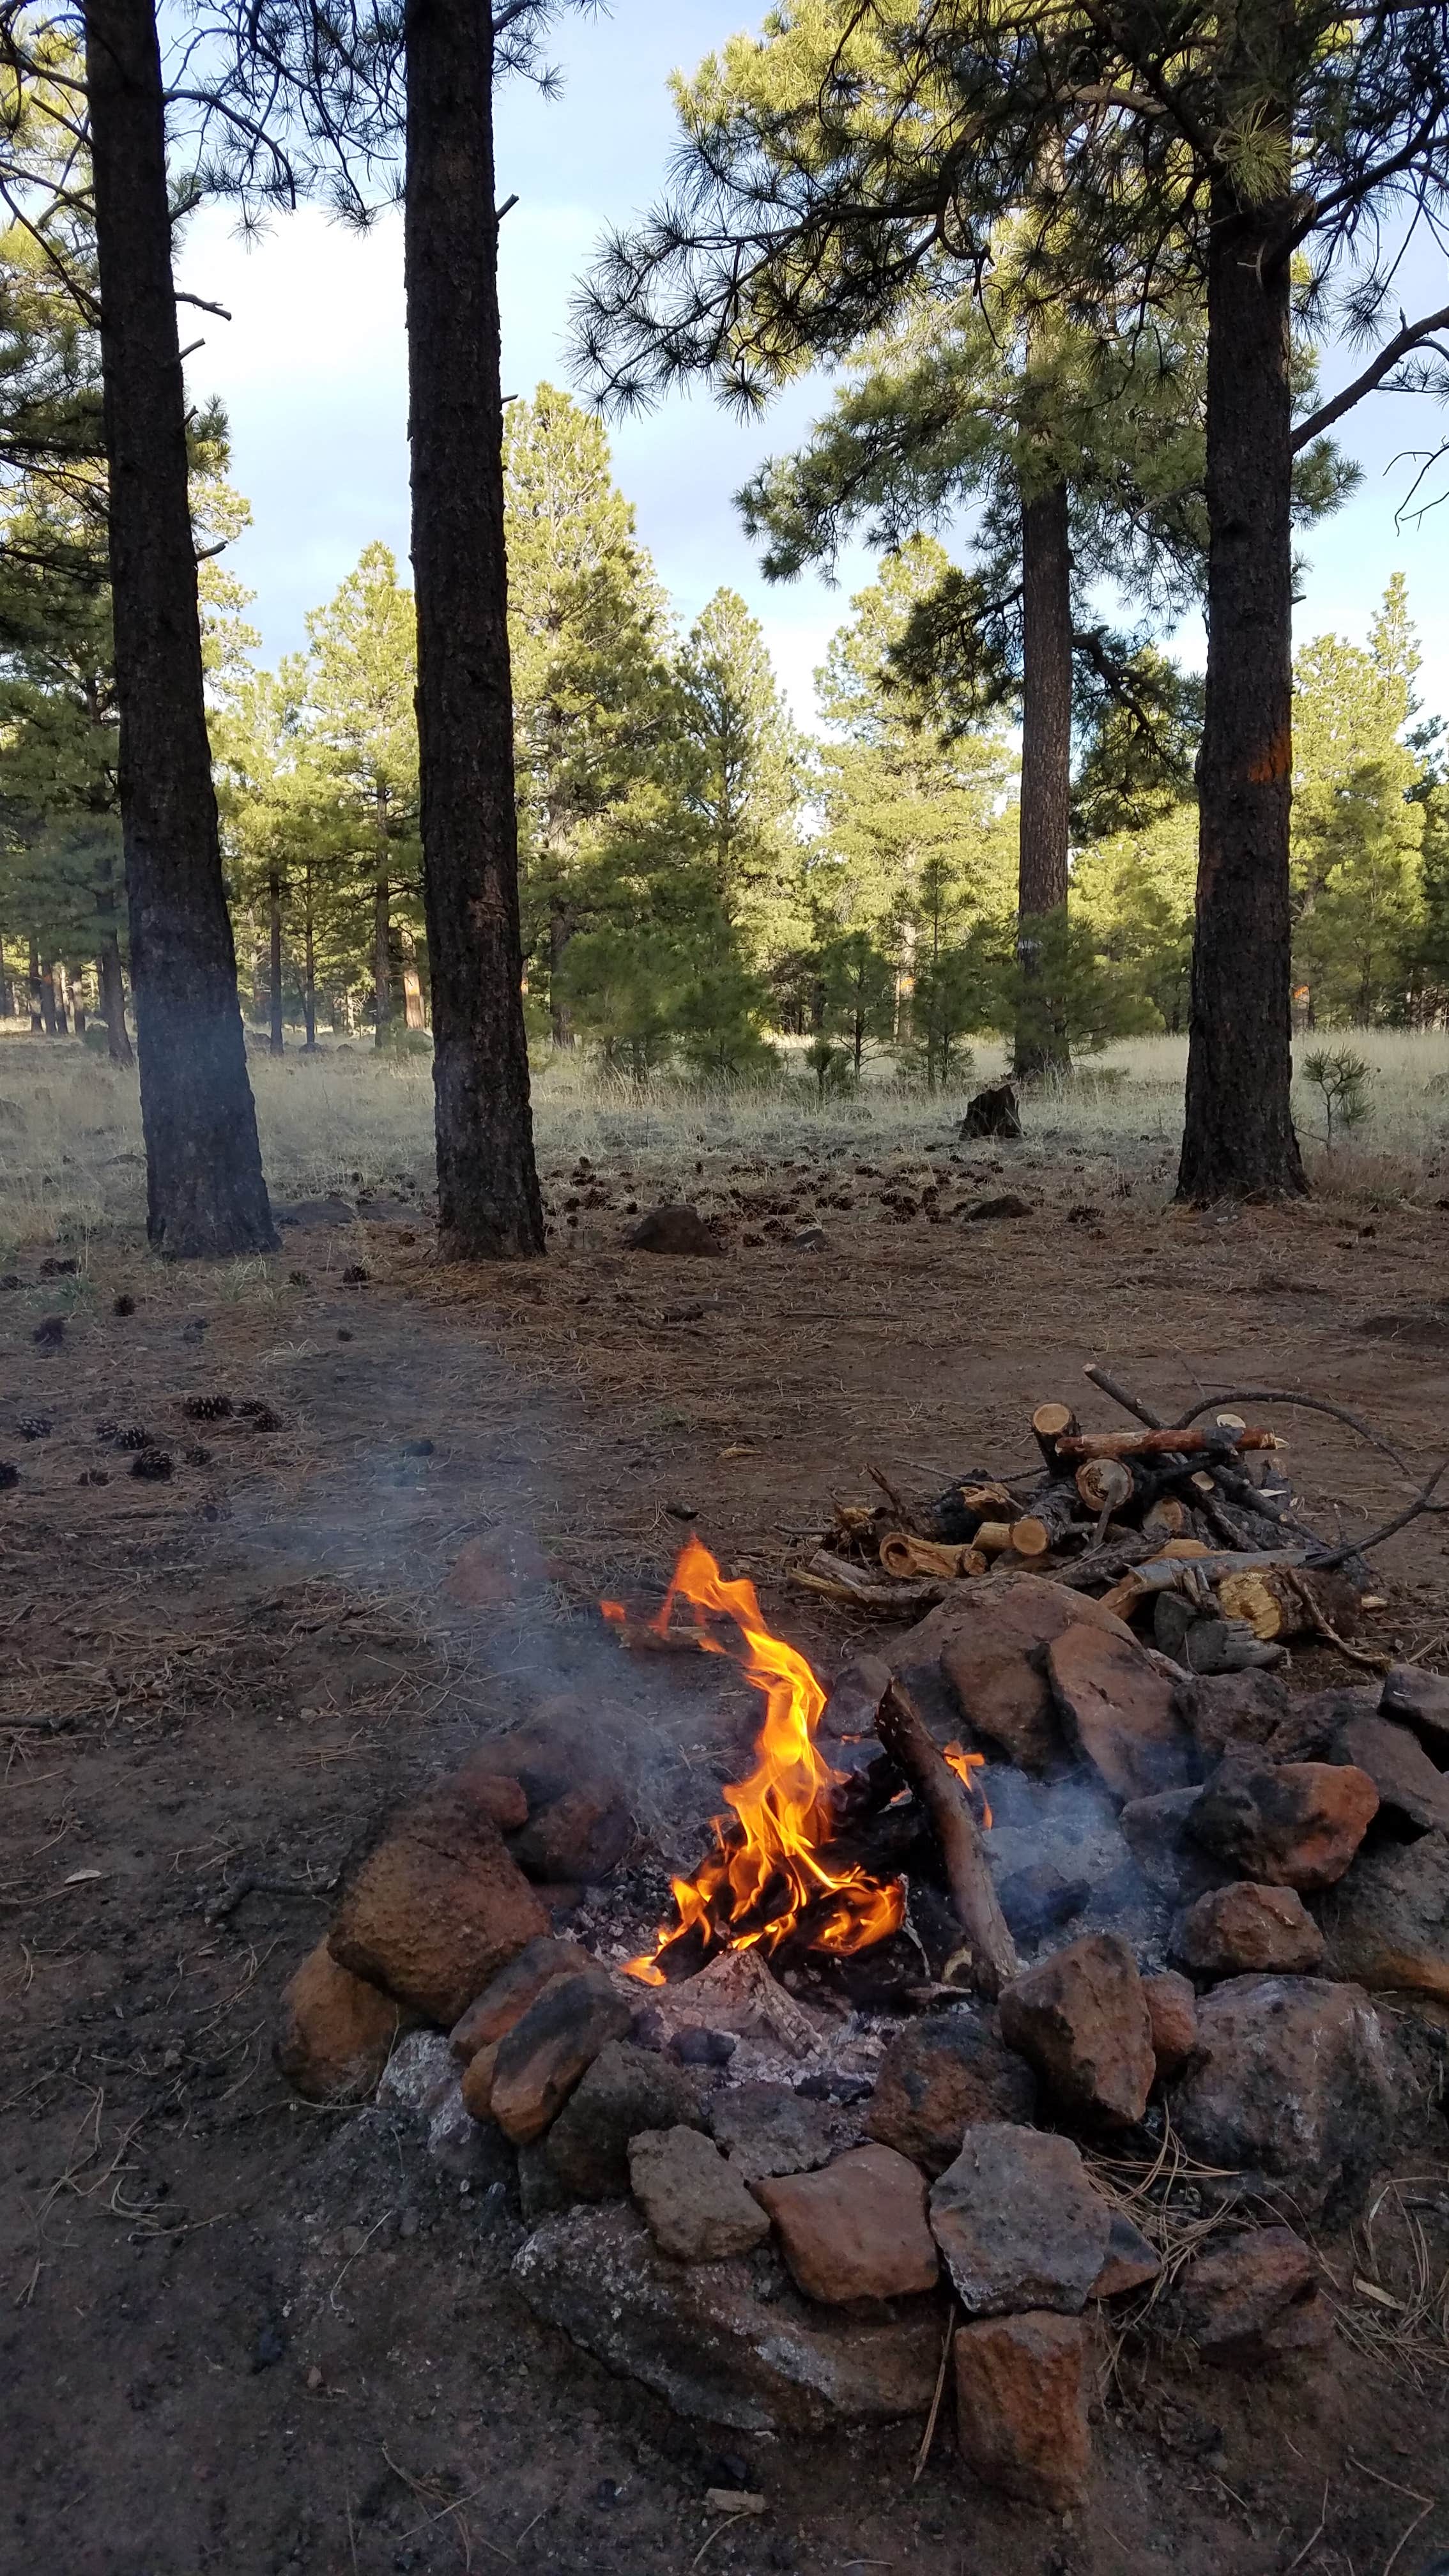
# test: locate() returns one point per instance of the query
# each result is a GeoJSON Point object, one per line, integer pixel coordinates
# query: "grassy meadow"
{"type": "Point", "coordinates": [348, 1119]}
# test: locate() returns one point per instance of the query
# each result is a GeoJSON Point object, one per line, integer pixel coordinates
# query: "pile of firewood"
{"type": "Point", "coordinates": [1190, 1529]}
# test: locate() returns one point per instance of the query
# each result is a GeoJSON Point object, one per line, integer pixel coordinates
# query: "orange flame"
{"type": "Point", "coordinates": [771, 1860]}
{"type": "Point", "coordinates": [963, 1764]}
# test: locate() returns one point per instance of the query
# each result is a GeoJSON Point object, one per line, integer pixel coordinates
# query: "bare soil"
{"type": "Point", "coordinates": [238, 2336]}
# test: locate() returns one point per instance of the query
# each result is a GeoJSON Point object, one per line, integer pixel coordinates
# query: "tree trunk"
{"type": "Point", "coordinates": [37, 993]}
{"type": "Point", "coordinates": [1238, 1139]}
{"type": "Point", "coordinates": [309, 966]}
{"type": "Point", "coordinates": [560, 932]}
{"type": "Point", "coordinates": [276, 1035]}
{"type": "Point", "coordinates": [205, 1191]}
{"type": "Point", "coordinates": [381, 922]}
{"type": "Point", "coordinates": [489, 1205]}
{"type": "Point", "coordinates": [62, 998]}
{"type": "Point", "coordinates": [412, 982]}
{"type": "Point", "coordinates": [1046, 767]}
{"type": "Point", "coordinates": [48, 1016]}
{"type": "Point", "coordinates": [113, 999]}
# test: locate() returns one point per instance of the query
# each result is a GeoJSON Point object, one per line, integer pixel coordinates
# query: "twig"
{"type": "Point", "coordinates": [1420, 1503]}
{"type": "Point", "coordinates": [1370, 1662]}
{"type": "Point", "coordinates": [252, 1884]}
{"type": "Point", "coordinates": [1306, 1404]}
{"type": "Point", "coordinates": [714, 2535]}
{"type": "Point", "coordinates": [1314, 2537]}
{"type": "Point", "coordinates": [928, 2437]}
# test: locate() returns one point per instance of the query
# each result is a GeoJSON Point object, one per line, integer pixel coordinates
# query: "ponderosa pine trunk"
{"type": "Point", "coordinates": [1238, 1140]}
{"type": "Point", "coordinates": [489, 1204]}
{"type": "Point", "coordinates": [205, 1192]}
{"type": "Point", "coordinates": [113, 998]}
{"type": "Point", "coordinates": [48, 1013]}
{"type": "Point", "coordinates": [1041, 1044]}
{"type": "Point", "coordinates": [381, 921]}
{"type": "Point", "coordinates": [37, 992]}
{"type": "Point", "coordinates": [309, 966]}
{"type": "Point", "coordinates": [276, 1032]}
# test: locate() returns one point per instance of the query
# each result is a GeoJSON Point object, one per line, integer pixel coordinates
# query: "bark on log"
{"type": "Point", "coordinates": [1152, 1444]}
{"type": "Point", "coordinates": [901, 1553]}
{"type": "Point", "coordinates": [1049, 1424]}
{"type": "Point", "coordinates": [1279, 1604]}
{"type": "Point", "coordinates": [910, 1744]}
{"type": "Point", "coordinates": [1051, 1516]}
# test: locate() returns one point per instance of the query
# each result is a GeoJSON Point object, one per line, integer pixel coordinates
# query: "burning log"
{"type": "Point", "coordinates": [942, 1792]}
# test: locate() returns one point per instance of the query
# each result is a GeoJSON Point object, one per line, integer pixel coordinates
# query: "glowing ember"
{"type": "Point", "coordinates": [771, 1865]}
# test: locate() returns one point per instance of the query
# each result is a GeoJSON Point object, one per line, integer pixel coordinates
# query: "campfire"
{"type": "Point", "coordinates": [890, 2044]}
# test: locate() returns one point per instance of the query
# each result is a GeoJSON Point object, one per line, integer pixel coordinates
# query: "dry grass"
{"type": "Point", "coordinates": [70, 1140]}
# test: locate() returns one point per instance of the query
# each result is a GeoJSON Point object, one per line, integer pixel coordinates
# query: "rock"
{"type": "Point", "coordinates": [436, 1909]}
{"type": "Point", "coordinates": [1387, 1923]}
{"type": "Point", "coordinates": [1022, 2386]}
{"type": "Point", "coordinates": [731, 2342]}
{"type": "Point", "coordinates": [1131, 2262]}
{"type": "Point", "coordinates": [1394, 1759]}
{"type": "Point", "coordinates": [337, 2031]}
{"type": "Point", "coordinates": [506, 1997]}
{"type": "Point", "coordinates": [674, 1229]}
{"type": "Point", "coordinates": [1120, 1713]}
{"type": "Point", "coordinates": [769, 2129]}
{"type": "Point", "coordinates": [1296, 2081]}
{"type": "Point", "coordinates": [1296, 1824]}
{"type": "Point", "coordinates": [580, 1836]}
{"type": "Point", "coordinates": [1252, 2298]}
{"type": "Point", "coordinates": [1419, 1700]}
{"type": "Point", "coordinates": [1156, 1833]}
{"type": "Point", "coordinates": [625, 2091]}
{"type": "Point", "coordinates": [992, 1650]}
{"type": "Point", "coordinates": [1229, 1712]}
{"type": "Point", "coordinates": [462, 2146]}
{"type": "Point", "coordinates": [1019, 2222]}
{"type": "Point", "coordinates": [1081, 2019]}
{"type": "Point", "coordinates": [419, 2072]}
{"type": "Point", "coordinates": [855, 2229]}
{"type": "Point", "coordinates": [855, 1695]}
{"type": "Point", "coordinates": [985, 1211]}
{"type": "Point", "coordinates": [308, 1214]}
{"type": "Point", "coordinates": [543, 2056]}
{"type": "Point", "coordinates": [1037, 1900]}
{"type": "Point", "coordinates": [811, 1238]}
{"type": "Point", "coordinates": [1244, 1928]}
{"type": "Point", "coordinates": [499, 1795]}
{"type": "Point", "coordinates": [478, 2081]}
{"type": "Point", "coordinates": [1172, 2011]}
{"type": "Point", "coordinates": [1313, 1720]}
{"type": "Point", "coordinates": [993, 1112]}
{"type": "Point", "coordinates": [696, 2206]}
{"type": "Point", "coordinates": [941, 2076]}
{"type": "Point", "coordinates": [541, 2191]}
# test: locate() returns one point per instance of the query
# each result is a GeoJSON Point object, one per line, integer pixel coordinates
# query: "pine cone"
{"type": "Point", "coordinates": [135, 1438]}
{"type": "Point", "coordinates": [264, 1419]}
{"type": "Point", "coordinates": [123, 1305]}
{"type": "Point", "coordinates": [355, 1276]}
{"type": "Point", "coordinates": [33, 1426]}
{"type": "Point", "coordinates": [154, 1465]}
{"type": "Point", "coordinates": [108, 1430]}
{"type": "Point", "coordinates": [50, 1333]}
{"type": "Point", "coordinates": [207, 1408]}
{"type": "Point", "coordinates": [9, 1474]}
{"type": "Point", "coordinates": [94, 1476]}
{"type": "Point", "coordinates": [197, 1457]}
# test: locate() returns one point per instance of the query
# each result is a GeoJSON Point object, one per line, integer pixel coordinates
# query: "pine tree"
{"type": "Point", "coordinates": [743, 763]}
{"type": "Point", "coordinates": [1357, 831]}
{"type": "Point", "coordinates": [357, 712]}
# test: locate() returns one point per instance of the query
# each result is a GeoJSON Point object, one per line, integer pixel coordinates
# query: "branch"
{"type": "Point", "coordinates": [1373, 375]}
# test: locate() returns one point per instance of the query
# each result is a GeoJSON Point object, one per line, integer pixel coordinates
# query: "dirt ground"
{"type": "Point", "coordinates": [231, 2338]}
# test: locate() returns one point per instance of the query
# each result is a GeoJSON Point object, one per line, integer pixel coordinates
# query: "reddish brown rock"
{"type": "Point", "coordinates": [1232, 1712]}
{"type": "Point", "coordinates": [1400, 1769]}
{"type": "Point", "coordinates": [1239, 1929]}
{"type": "Point", "coordinates": [1172, 2012]}
{"type": "Point", "coordinates": [695, 2205]}
{"type": "Point", "coordinates": [1022, 2387]}
{"type": "Point", "coordinates": [1296, 2081]}
{"type": "Point", "coordinates": [855, 1695]}
{"type": "Point", "coordinates": [1131, 2261]}
{"type": "Point", "coordinates": [1020, 2223]}
{"type": "Point", "coordinates": [437, 1909]}
{"type": "Point", "coordinates": [478, 2081]}
{"type": "Point", "coordinates": [856, 2229]}
{"type": "Point", "coordinates": [1081, 2018]}
{"type": "Point", "coordinates": [1296, 1824]}
{"type": "Point", "coordinates": [1253, 2298]}
{"type": "Point", "coordinates": [578, 1838]}
{"type": "Point", "coordinates": [1120, 1713]}
{"type": "Point", "coordinates": [992, 1647]}
{"type": "Point", "coordinates": [626, 2091]}
{"type": "Point", "coordinates": [506, 1998]}
{"type": "Point", "coordinates": [337, 2032]}
{"type": "Point", "coordinates": [1387, 1923]}
{"type": "Point", "coordinates": [938, 2078]}
{"type": "Point", "coordinates": [543, 2056]}
{"type": "Point", "coordinates": [498, 1794]}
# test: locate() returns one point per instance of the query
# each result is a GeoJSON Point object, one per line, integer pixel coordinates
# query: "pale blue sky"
{"type": "Point", "coordinates": [312, 370]}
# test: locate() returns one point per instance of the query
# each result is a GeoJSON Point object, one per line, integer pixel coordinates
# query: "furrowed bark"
{"type": "Point", "coordinates": [205, 1191]}
{"type": "Point", "coordinates": [1238, 1139]}
{"type": "Point", "coordinates": [1046, 761]}
{"type": "Point", "coordinates": [113, 1000]}
{"type": "Point", "coordinates": [489, 1205]}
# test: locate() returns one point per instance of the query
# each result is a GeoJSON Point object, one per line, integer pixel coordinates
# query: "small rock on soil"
{"type": "Point", "coordinates": [506, 1997]}
{"type": "Point", "coordinates": [1239, 1930]}
{"type": "Point", "coordinates": [1019, 2223]}
{"type": "Point", "coordinates": [1392, 1756]}
{"type": "Point", "coordinates": [436, 1909]}
{"type": "Point", "coordinates": [696, 2205]}
{"type": "Point", "coordinates": [1120, 1714]}
{"type": "Point", "coordinates": [1296, 2082]}
{"type": "Point", "coordinates": [992, 1649]}
{"type": "Point", "coordinates": [856, 2229]}
{"type": "Point", "coordinates": [1172, 2011]}
{"type": "Point", "coordinates": [1252, 2299]}
{"type": "Point", "coordinates": [1294, 1824]}
{"type": "Point", "coordinates": [1022, 2387]}
{"type": "Point", "coordinates": [675, 1229]}
{"type": "Point", "coordinates": [1387, 1923]}
{"type": "Point", "coordinates": [939, 2077]}
{"type": "Point", "coordinates": [1082, 2020]}
{"type": "Point", "coordinates": [767, 2129]}
{"type": "Point", "coordinates": [337, 2031]}
{"type": "Point", "coordinates": [624, 2092]}
{"type": "Point", "coordinates": [549, 2048]}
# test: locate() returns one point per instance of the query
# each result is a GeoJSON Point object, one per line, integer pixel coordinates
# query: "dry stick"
{"type": "Point", "coordinates": [1306, 1403]}
{"type": "Point", "coordinates": [928, 2437]}
{"type": "Point", "coordinates": [910, 1744]}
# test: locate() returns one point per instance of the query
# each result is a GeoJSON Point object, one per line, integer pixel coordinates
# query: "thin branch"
{"type": "Point", "coordinates": [1372, 376]}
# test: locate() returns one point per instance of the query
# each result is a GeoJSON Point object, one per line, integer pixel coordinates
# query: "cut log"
{"type": "Point", "coordinates": [1279, 1604]}
{"type": "Point", "coordinates": [1105, 1484]}
{"type": "Point", "coordinates": [992, 1537]}
{"type": "Point", "coordinates": [947, 1801]}
{"type": "Point", "coordinates": [838, 1578]}
{"type": "Point", "coordinates": [1152, 1444]}
{"type": "Point", "coordinates": [1052, 1515]}
{"type": "Point", "coordinates": [1049, 1424]}
{"type": "Point", "coordinates": [1166, 1518]}
{"type": "Point", "coordinates": [1166, 1573]}
{"type": "Point", "coordinates": [902, 1553]}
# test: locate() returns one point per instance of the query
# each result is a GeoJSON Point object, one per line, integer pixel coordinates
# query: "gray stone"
{"type": "Point", "coordinates": [1131, 2261]}
{"type": "Point", "coordinates": [696, 2205]}
{"type": "Point", "coordinates": [1387, 1923]}
{"type": "Point", "coordinates": [730, 2342]}
{"type": "Point", "coordinates": [1408, 1784]}
{"type": "Point", "coordinates": [1019, 2223]}
{"type": "Point", "coordinates": [1296, 2081]}
{"type": "Point", "coordinates": [1156, 1833]}
{"type": "Point", "coordinates": [419, 2072]}
{"type": "Point", "coordinates": [1419, 1700]}
{"type": "Point", "coordinates": [625, 2091]}
{"type": "Point", "coordinates": [941, 2076]}
{"type": "Point", "coordinates": [1252, 2299]}
{"type": "Point", "coordinates": [769, 2129]}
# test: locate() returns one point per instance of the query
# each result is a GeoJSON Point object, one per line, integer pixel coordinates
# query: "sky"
{"type": "Point", "coordinates": [312, 371]}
